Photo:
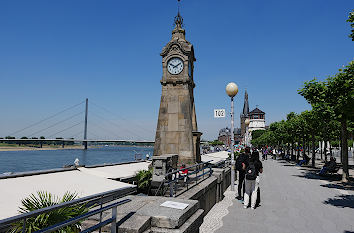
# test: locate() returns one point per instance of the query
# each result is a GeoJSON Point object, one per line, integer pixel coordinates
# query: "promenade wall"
{"type": "Point", "coordinates": [145, 215]}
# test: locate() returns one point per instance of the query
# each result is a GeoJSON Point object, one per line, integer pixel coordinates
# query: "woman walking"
{"type": "Point", "coordinates": [252, 179]}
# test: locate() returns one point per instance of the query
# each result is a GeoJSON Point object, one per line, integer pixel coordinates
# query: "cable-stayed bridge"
{"type": "Point", "coordinates": [70, 125]}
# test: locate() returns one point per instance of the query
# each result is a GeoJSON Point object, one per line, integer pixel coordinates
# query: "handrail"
{"type": "Point", "coordinates": [100, 198]}
{"type": "Point", "coordinates": [83, 216]}
{"type": "Point", "coordinates": [181, 169]}
{"type": "Point", "coordinates": [173, 180]}
{"type": "Point", "coordinates": [125, 191]}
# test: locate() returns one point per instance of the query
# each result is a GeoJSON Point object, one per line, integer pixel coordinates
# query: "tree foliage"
{"type": "Point", "coordinates": [143, 179]}
{"type": "Point", "coordinates": [216, 143]}
{"type": "Point", "coordinates": [333, 99]}
{"type": "Point", "coordinates": [351, 20]}
{"type": "Point", "coordinates": [42, 200]}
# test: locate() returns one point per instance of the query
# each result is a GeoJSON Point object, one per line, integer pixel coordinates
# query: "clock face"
{"type": "Point", "coordinates": [175, 65]}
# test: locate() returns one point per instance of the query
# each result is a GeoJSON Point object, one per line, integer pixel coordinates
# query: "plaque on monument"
{"type": "Point", "coordinates": [174, 205]}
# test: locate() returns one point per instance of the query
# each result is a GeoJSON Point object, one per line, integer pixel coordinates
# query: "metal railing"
{"type": "Point", "coordinates": [181, 180]}
{"type": "Point", "coordinates": [90, 201]}
{"type": "Point", "coordinates": [222, 163]}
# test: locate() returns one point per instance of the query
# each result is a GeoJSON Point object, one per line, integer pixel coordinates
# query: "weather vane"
{"type": "Point", "coordinates": [178, 18]}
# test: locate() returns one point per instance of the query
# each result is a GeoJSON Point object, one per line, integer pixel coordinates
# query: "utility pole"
{"type": "Point", "coordinates": [85, 129]}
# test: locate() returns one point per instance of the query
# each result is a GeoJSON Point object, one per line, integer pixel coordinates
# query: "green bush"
{"type": "Point", "coordinates": [143, 179]}
{"type": "Point", "coordinates": [44, 199]}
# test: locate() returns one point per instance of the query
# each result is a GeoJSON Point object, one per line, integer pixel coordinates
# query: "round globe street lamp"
{"type": "Point", "coordinates": [247, 123]}
{"type": "Point", "coordinates": [231, 90]}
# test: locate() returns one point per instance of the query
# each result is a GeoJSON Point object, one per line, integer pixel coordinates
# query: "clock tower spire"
{"type": "Point", "coordinates": [178, 31]}
{"type": "Point", "coordinates": [177, 131]}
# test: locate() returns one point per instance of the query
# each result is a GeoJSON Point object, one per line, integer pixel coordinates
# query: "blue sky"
{"type": "Point", "coordinates": [54, 54]}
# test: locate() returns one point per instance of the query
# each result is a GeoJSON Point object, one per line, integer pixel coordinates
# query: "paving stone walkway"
{"type": "Point", "coordinates": [293, 199]}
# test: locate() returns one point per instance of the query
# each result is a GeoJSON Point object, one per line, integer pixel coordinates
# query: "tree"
{"type": "Point", "coordinates": [216, 143]}
{"type": "Point", "coordinates": [351, 20]}
{"type": "Point", "coordinates": [312, 119]}
{"type": "Point", "coordinates": [257, 133]}
{"type": "Point", "coordinates": [336, 94]}
{"type": "Point", "coordinates": [291, 130]}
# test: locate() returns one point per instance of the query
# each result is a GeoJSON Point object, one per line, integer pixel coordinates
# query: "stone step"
{"type": "Point", "coordinates": [190, 226]}
{"type": "Point", "coordinates": [132, 223]}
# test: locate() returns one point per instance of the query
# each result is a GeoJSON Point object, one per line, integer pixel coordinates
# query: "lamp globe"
{"type": "Point", "coordinates": [231, 89]}
{"type": "Point", "coordinates": [247, 121]}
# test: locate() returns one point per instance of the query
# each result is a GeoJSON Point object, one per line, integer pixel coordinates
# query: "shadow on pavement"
{"type": "Point", "coordinates": [341, 201]}
{"type": "Point", "coordinates": [348, 231]}
{"type": "Point", "coordinates": [342, 186]}
{"type": "Point", "coordinates": [314, 176]}
{"type": "Point", "coordinates": [310, 169]}
{"type": "Point", "coordinates": [282, 161]}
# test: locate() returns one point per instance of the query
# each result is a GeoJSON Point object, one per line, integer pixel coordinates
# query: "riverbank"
{"type": "Point", "coordinates": [29, 148]}
{"type": "Point", "coordinates": [50, 157]}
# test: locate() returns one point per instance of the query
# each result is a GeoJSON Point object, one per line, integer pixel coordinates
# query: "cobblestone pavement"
{"type": "Point", "coordinates": [293, 199]}
{"type": "Point", "coordinates": [213, 220]}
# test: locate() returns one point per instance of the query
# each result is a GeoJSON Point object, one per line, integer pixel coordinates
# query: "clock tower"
{"type": "Point", "coordinates": [177, 131]}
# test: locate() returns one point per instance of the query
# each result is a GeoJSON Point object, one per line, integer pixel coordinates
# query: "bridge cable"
{"type": "Point", "coordinates": [66, 129]}
{"type": "Point", "coordinates": [45, 119]}
{"type": "Point", "coordinates": [66, 119]}
{"type": "Point", "coordinates": [81, 132]}
{"type": "Point", "coordinates": [107, 121]}
{"type": "Point", "coordinates": [149, 131]}
{"type": "Point", "coordinates": [97, 137]}
{"type": "Point", "coordinates": [98, 126]}
{"type": "Point", "coordinates": [113, 123]}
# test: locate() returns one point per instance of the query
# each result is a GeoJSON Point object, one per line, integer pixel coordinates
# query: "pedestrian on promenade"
{"type": "Point", "coordinates": [265, 154]}
{"type": "Point", "coordinates": [241, 163]}
{"type": "Point", "coordinates": [306, 160]}
{"type": "Point", "coordinates": [329, 166]}
{"type": "Point", "coordinates": [252, 180]}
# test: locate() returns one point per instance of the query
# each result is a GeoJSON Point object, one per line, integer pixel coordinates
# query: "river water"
{"type": "Point", "coordinates": [22, 161]}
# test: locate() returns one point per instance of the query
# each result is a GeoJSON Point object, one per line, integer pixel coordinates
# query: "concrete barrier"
{"type": "Point", "coordinates": [144, 214]}
{"type": "Point", "coordinates": [211, 190]}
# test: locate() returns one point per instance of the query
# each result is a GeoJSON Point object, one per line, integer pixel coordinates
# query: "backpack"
{"type": "Point", "coordinates": [239, 162]}
{"type": "Point", "coordinates": [251, 173]}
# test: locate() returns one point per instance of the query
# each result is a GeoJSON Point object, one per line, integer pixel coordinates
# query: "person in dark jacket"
{"type": "Point", "coordinates": [306, 160]}
{"type": "Point", "coordinates": [329, 166]}
{"type": "Point", "coordinates": [243, 159]}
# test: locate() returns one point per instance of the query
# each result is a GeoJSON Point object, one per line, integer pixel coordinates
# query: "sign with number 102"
{"type": "Point", "coordinates": [219, 113]}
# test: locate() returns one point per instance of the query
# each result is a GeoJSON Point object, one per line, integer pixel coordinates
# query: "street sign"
{"type": "Point", "coordinates": [218, 113]}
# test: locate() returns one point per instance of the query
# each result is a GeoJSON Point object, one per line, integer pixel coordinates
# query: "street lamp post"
{"type": "Point", "coordinates": [231, 90]}
{"type": "Point", "coordinates": [247, 123]}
